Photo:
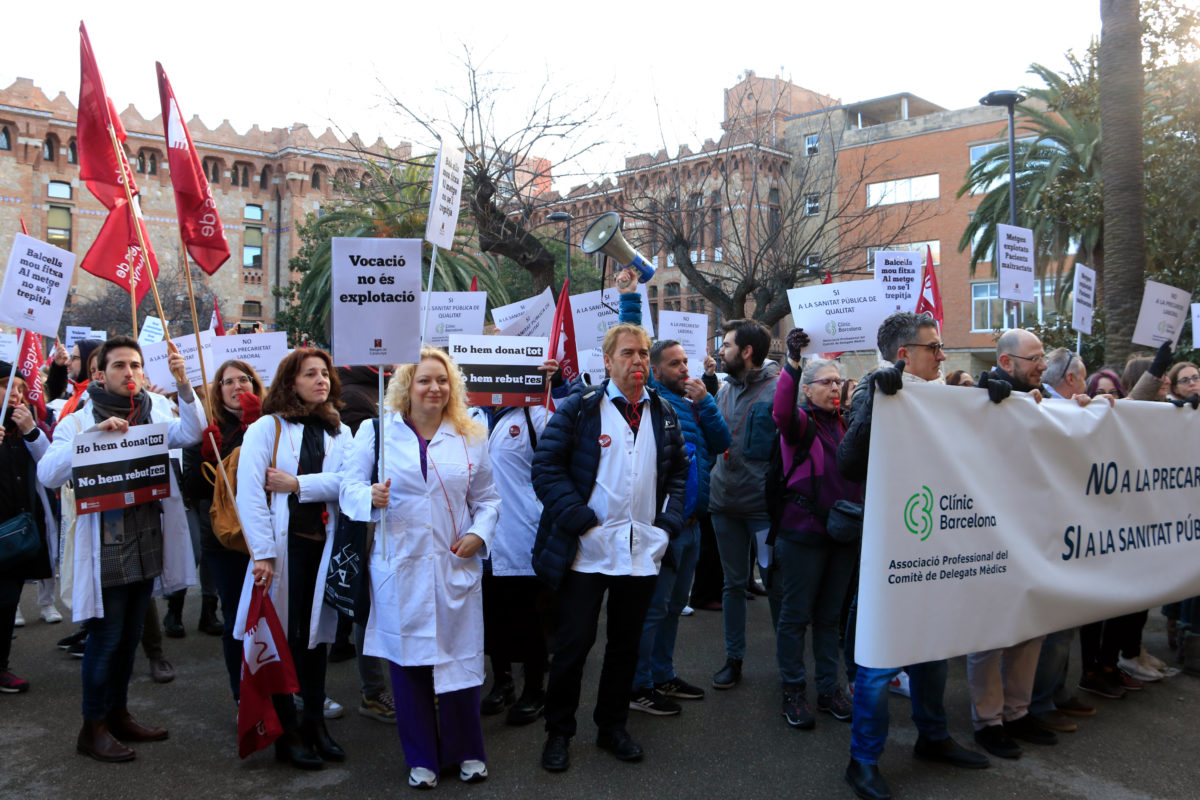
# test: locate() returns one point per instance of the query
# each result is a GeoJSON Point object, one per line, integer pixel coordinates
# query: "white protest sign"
{"type": "Point", "coordinates": [116, 470]}
{"type": "Point", "coordinates": [959, 542]}
{"type": "Point", "coordinates": [591, 363]}
{"type": "Point", "coordinates": [36, 284]}
{"type": "Point", "coordinates": [376, 286]}
{"type": "Point", "coordinates": [1164, 308]}
{"type": "Point", "coordinates": [454, 312]}
{"type": "Point", "coordinates": [1196, 326]}
{"type": "Point", "coordinates": [76, 333]}
{"type": "Point", "coordinates": [501, 370]}
{"type": "Point", "coordinates": [444, 199]}
{"type": "Point", "coordinates": [839, 316]}
{"type": "Point", "coordinates": [1014, 262]}
{"type": "Point", "coordinates": [152, 331]}
{"type": "Point", "coordinates": [1085, 299]}
{"type": "Point", "coordinates": [898, 273]}
{"type": "Point", "coordinates": [8, 347]}
{"type": "Point", "coordinates": [99, 335]}
{"type": "Point", "coordinates": [595, 312]}
{"type": "Point", "coordinates": [533, 316]}
{"type": "Point", "coordinates": [691, 331]}
{"type": "Point", "coordinates": [263, 351]}
{"type": "Point", "coordinates": [154, 358]}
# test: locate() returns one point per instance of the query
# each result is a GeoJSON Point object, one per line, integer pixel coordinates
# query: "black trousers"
{"type": "Point", "coordinates": [709, 582]}
{"type": "Point", "coordinates": [304, 578]}
{"type": "Point", "coordinates": [577, 615]}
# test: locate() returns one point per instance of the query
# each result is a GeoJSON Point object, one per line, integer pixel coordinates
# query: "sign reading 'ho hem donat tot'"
{"type": "Point", "coordinates": [501, 370]}
{"type": "Point", "coordinates": [117, 470]}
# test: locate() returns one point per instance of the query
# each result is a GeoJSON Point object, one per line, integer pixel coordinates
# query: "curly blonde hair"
{"type": "Point", "coordinates": [399, 400]}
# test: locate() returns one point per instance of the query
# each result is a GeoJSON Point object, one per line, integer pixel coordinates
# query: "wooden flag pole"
{"type": "Point", "coordinates": [229, 490]}
{"type": "Point", "coordinates": [187, 272]}
{"type": "Point", "coordinates": [11, 378]}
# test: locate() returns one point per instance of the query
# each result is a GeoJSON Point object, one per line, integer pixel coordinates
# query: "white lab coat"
{"type": "Point", "coordinates": [426, 602]}
{"type": "Point", "coordinates": [179, 560]}
{"type": "Point", "coordinates": [266, 526]}
{"type": "Point", "coordinates": [510, 448]}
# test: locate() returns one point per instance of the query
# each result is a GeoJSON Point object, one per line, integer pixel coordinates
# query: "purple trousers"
{"type": "Point", "coordinates": [435, 736]}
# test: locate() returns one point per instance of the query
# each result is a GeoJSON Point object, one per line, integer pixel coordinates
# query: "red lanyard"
{"type": "Point", "coordinates": [445, 494]}
{"type": "Point", "coordinates": [749, 407]}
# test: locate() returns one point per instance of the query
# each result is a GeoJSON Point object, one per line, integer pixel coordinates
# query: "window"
{"type": "Point", "coordinates": [252, 247]}
{"type": "Point", "coordinates": [904, 190]}
{"type": "Point", "coordinates": [152, 164]}
{"type": "Point", "coordinates": [5, 139]}
{"type": "Point", "coordinates": [212, 170]}
{"type": "Point", "coordinates": [49, 148]}
{"type": "Point", "coordinates": [774, 216]}
{"type": "Point", "coordinates": [979, 151]}
{"type": "Point", "coordinates": [716, 220]}
{"type": "Point", "coordinates": [58, 226]}
{"type": "Point", "coordinates": [812, 144]}
{"type": "Point", "coordinates": [253, 212]}
{"type": "Point", "coordinates": [72, 153]}
{"type": "Point", "coordinates": [251, 308]}
{"type": "Point", "coordinates": [812, 263]}
{"type": "Point", "coordinates": [316, 179]}
{"type": "Point", "coordinates": [812, 205]}
{"type": "Point", "coordinates": [264, 178]}
{"type": "Point", "coordinates": [59, 190]}
{"type": "Point", "coordinates": [141, 163]}
{"type": "Point", "coordinates": [989, 312]}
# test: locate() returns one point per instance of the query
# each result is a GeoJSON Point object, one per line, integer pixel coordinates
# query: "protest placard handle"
{"type": "Point", "coordinates": [428, 292]}
{"type": "Point", "coordinates": [382, 474]}
{"type": "Point", "coordinates": [15, 372]}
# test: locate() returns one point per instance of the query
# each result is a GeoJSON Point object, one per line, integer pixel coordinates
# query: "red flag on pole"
{"type": "Point", "coordinates": [267, 669]}
{"type": "Point", "coordinates": [474, 283]}
{"type": "Point", "coordinates": [930, 300]}
{"type": "Point", "coordinates": [562, 338]}
{"type": "Point", "coordinates": [116, 248]}
{"type": "Point", "coordinates": [29, 363]}
{"type": "Point", "coordinates": [199, 223]}
{"type": "Point", "coordinates": [829, 279]}
{"type": "Point", "coordinates": [217, 326]}
{"type": "Point", "coordinates": [100, 166]}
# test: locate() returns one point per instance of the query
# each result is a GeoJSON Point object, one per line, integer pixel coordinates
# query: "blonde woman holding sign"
{"type": "Point", "coordinates": [426, 571]}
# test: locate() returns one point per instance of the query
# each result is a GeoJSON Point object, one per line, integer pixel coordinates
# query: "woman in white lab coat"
{"type": "Point", "coordinates": [425, 566]}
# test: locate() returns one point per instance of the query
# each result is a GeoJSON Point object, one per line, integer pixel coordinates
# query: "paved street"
{"type": "Point", "coordinates": [732, 744]}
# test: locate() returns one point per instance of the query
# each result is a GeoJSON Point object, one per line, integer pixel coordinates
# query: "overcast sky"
{"type": "Point", "coordinates": [662, 71]}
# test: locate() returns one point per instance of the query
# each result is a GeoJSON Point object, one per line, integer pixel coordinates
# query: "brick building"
{"type": "Point", "coordinates": [264, 182]}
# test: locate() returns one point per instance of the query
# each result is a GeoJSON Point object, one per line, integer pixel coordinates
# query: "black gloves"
{"type": "Point", "coordinates": [1162, 360]}
{"type": "Point", "coordinates": [997, 388]}
{"type": "Point", "coordinates": [1193, 401]}
{"type": "Point", "coordinates": [889, 380]}
{"type": "Point", "coordinates": [797, 340]}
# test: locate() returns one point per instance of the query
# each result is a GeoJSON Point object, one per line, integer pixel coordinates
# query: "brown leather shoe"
{"type": "Point", "coordinates": [125, 727]}
{"type": "Point", "coordinates": [95, 741]}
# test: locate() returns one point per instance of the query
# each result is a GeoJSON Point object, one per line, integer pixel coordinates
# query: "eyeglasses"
{"type": "Point", "coordinates": [243, 380]}
{"type": "Point", "coordinates": [1035, 359]}
{"type": "Point", "coordinates": [934, 347]}
{"type": "Point", "coordinates": [1189, 381]}
{"type": "Point", "coordinates": [834, 382]}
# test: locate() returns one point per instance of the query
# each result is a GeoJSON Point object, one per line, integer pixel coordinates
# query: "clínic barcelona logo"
{"type": "Point", "coordinates": [918, 513]}
{"type": "Point", "coordinates": [919, 519]}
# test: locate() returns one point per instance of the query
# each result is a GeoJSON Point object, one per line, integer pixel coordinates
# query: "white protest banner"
{"type": "Point", "coordinates": [898, 274]}
{"type": "Point", "coordinates": [376, 286]}
{"type": "Point", "coordinates": [152, 331]}
{"type": "Point", "coordinates": [76, 333]}
{"type": "Point", "coordinates": [501, 370]}
{"type": "Point", "coordinates": [839, 316]}
{"type": "Point", "coordinates": [116, 470]}
{"type": "Point", "coordinates": [691, 331]}
{"type": "Point", "coordinates": [591, 363]}
{"type": "Point", "coordinates": [1164, 309]}
{"type": "Point", "coordinates": [1196, 326]}
{"type": "Point", "coordinates": [454, 312]}
{"type": "Point", "coordinates": [444, 199]}
{"type": "Point", "coordinates": [1014, 262]}
{"type": "Point", "coordinates": [1010, 524]}
{"type": "Point", "coordinates": [36, 284]}
{"type": "Point", "coordinates": [8, 347]}
{"type": "Point", "coordinates": [154, 361]}
{"type": "Point", "coordinates": [263, 351]}
{"type": "Point", "coordinates": [595, 312]}
{"type": "Point", "coordinates": [533, 316]}
{"type": "Point", "coordinates": [1085, 299]}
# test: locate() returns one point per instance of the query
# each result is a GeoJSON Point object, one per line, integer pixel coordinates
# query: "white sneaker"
{"type": "Point", "coordinates": [1134, 669]}
{"type": "Point", "coordinates": [422, 778]}
{"type": "Point", "coordinates": [333, 709]}
{"type": "Point", "coordinates": [899, 685]}
{"type": "Point", "coordinates": [472, 771]}
{"type": "Point", "coordinates": [1151, 661]}
{"type": "Point", "coordinates": [50, 614]}
{"type": "Point", "coordinates": [19, 622]}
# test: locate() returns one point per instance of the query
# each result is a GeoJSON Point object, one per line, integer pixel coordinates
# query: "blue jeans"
{"type": "Point", "coordinates": [228, 571]}
{"type": "Point", "coordinates": [1050, 680]}
{"type": "Point", "coordinates": [868, 731]}
{"type": "Point", "coordinates": [813, 579]}
{"type": "Point", "coordinates": [656, 653]}
{"type": "Point", "coordinates": [735, 538]}
{"type": "Point", "coordinates": [112, 647]}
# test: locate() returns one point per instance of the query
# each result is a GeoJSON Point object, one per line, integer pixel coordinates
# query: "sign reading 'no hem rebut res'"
{"type": "Point", "coordinates": [116, 470]}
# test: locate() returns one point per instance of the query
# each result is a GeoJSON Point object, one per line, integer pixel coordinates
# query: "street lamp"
{"type": "Point", "coordinates": [562, 216]}
{"type": "Point", "coordinates": [1008, 99]}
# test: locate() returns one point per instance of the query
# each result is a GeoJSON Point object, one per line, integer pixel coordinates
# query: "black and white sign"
{"type": "Point", "coordinates": [1014, 263]}
{"type": "Point", "coordinates": [36, 285]}
{"type": "Point", "coordinates": [501, 370]}
{"type": "Point", "coordinates": [117, 470]}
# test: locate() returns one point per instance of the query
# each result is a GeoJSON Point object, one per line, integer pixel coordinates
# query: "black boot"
{"type": "Point", "coordinates": [316, 736]}
{"type": "Point", "coordinates": [503, 694]}
{"type": "Point", "coordinates": [173, 619]}
{"type": "Point", "coordinates": [291, 748]}
{"type": "Point", "coordinates": [210, 623]}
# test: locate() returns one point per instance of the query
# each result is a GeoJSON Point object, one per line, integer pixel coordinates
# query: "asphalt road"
{"type": "Point", "coordinates": [731, 744]}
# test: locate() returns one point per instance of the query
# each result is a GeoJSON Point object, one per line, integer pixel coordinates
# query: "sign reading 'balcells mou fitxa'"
{"type": "Point", "coordinates": [501, 370]}
{"type": "Point", "coordinates": [376, 286]}
{"type": "Point", "coordinates": [36, 285]}
{"type": "Point", "coordinates": [116, 470]}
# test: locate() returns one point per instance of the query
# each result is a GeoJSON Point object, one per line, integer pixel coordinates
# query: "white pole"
{"type": "Point", "coordinates": [382, 475]}
{"type": "Point", "coordinates": [1079, 344]}
{"type": "Point", "coordinates": [428, 292]}
{"type": "Point", "coordinates": [15, 373]}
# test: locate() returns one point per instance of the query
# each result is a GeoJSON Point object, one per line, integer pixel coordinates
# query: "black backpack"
{"type": "Point", "coordinates": [778, 494]}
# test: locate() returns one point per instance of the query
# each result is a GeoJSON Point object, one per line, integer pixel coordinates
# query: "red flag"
{"type": "Point", "coordinates": [267, 669]}
{"type": "Point", "coordinates": [117, 247]}
{"type": "Point", "coordinates": [29, 363]}
{"type": "Point", "coordinates": [562, 338]}
{"type": "Point", "coordinates": [829, 279]}
{"type": "Point", "coordinates": [199, 223]}
{"type": "Point", "coordinates": [474, 283]}
{"type": "Point", "coordinates": [216, 326]}
{"type": "Point", "coordinates": [24, 229]}
{"type": "Point", "coordinates": [930, 300]}
{"type": "Point", "coordinates": [100, 165]}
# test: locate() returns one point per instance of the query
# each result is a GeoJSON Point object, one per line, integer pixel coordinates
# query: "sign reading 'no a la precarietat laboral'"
{"type": "Point", "coordinates": [116, 470]}
{"type": "Point", "coordinates": [376, 286]}
{"type": "Point", "coordinates": [1018, 519]}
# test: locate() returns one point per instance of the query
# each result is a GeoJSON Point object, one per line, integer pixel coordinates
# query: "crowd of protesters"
{"type": "Point", "coordinates": [500, 533]}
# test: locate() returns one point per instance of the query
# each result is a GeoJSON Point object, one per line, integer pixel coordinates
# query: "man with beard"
{"type": "Point", "coordinates": [737, 498]}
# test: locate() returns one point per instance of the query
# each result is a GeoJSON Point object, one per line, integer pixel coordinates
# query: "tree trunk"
{"type": "Point", "coordinates": [1121, 89]}
{"type": "Point", "coordinates": [504, 234]}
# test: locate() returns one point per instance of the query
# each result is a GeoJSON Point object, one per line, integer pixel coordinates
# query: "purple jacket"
{"type": "Point", "coordinates": [821, 464]}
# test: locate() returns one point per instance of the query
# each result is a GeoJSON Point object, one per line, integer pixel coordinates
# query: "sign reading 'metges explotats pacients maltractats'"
{"type": "Point", "coordinates": [115, 470]}
{"type": "Point", "coordinates": [1015, 258]}
{"type": "Point", "coordinates": [376, 285]}
{"type": "Point", "coordinates": [36, 285]}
